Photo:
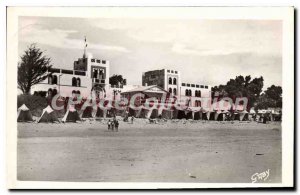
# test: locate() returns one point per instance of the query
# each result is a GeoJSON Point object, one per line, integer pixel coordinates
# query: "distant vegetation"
{"type": "Point", "coordinates": [32, 69]}
{"type": "Point", "coordinates": [252, 89]}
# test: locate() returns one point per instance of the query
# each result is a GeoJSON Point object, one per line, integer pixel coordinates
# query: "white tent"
{"type": "Point", "coordinates": [243, 114]}
{"type": "Point", "coordinates": [48, 115]}
{"type": "Point", "coordinates": [71, 115]}
{"type": "Point", "coordinates": [24, 114]}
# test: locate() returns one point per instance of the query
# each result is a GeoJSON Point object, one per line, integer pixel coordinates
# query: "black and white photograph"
{"type": "Point", "coordinates": [167, 97]}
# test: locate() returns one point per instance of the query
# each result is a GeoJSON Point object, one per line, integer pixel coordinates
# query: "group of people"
{"type": "Point", "coordinates": [113, 124]}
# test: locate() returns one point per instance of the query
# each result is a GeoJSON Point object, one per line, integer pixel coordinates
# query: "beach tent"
{"type": "Point", "coordinates": [197, 115]}
{"type": "Point", "coordinates": [24, 114]}
{"type": "Point", "coordinates": [100, 112]}
{"type": "Point", "coordinates": [48, 115]}
{"type": "Point", "coordinates": [88, 112]}
{"type": "Point", "coordinates": [71, 115]}
{"type": "Point", "coordinates": [236, 116]}
{"type": "Point", "coordinates": [243, 115]}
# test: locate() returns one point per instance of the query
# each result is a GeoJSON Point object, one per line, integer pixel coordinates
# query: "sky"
{"type": "Point", "coordinates": [208, 52]}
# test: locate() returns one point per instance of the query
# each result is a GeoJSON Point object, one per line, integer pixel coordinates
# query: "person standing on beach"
{"type": "Point", "coordinates": [132, 119]}
{"type": "Point", "coordinates": [112, 125]}
{"type": "Point", "coordinates": [116, 125]}
{"type": "Point", "coordinates": [109, 124]}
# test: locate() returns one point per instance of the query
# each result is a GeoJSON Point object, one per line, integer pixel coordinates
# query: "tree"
{"type": "Point", "coordinates": [117, 80]}
{"type": "Point", "coordinates": [32, 69]}
{"type": "Point", "coordinates": [271, 98]}
{"type": "Point", "coordinates": [241, 87]}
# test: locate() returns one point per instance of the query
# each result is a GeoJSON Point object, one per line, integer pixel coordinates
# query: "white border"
{"type": "Point", "coordinates": [275, 13]}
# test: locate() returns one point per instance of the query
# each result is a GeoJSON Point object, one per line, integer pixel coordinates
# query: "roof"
{"type": "Point", "coordinates": [23, 107]}
{"type": "Point", "coordinates": [48, 109]}
{"type": "Point", "coordinates": [150, 88]}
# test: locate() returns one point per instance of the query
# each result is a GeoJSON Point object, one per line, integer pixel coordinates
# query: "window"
{"type": "Point", "coordinates": [81, 73]}
{"type": "Point", "coordinates": [188, 85]}
{"type": "Point", "coordinates": [50, 80]}
{"type": "Point", "coordinates": [170, 81]}
{"type": "Point", "coordinates": [170, 90]}
{"type": "Point", "coordinates": [174, 81]}
{"type": "Point", "coordinates": [98, 61]}
{"type": "Point", "coordinates": [101, 74]}
{"type": "Point", "coordinates": [66, 71]}
{"type": "Point", "coordinates": [199, 93]}
{"type": "Point", "coordinates": [182, 84]}
{"type": "Point", "coordinates": [197, 86]}
{"type": "Point", "coordinates": [49, 92]}
{"type": "Point", "coordinates": [74, 82]}
{"type": "Point", "coordinates": [78, 92]}
{"type": "Point", "coordinates": [73, 92]}
{"type": "Point", "coordinates": [174, 91]}
{"type": "Point", "coordinates": [83, 60]}
{"type": "Point", "coordinates": [78, 82]}
{"type": "Point", "coordinates": [103, 62]}
{"type": "Point", "coordinates": [172, 71]}
{"type": "Point", "coordinates": [206, 87]}
{"type": "Point", "coordinates": [95, 73]}
{"type": "Point", "coordinates": [198, 103]}
{"type": "Point", "coordinates": [193, 85]}
{"type": "Point", "coordinates": [175, 72]}
{"type": "Point", "coordinates": [201, 86]}
{"type": "Point", "coordinates": [54, 80]}
{"type": "Point", "coordinates": [93, 60]}
{"type": "Point", "coordinates": [168, 70]}
{"type": "Point", "coordinates": [54, 92]}
{"type": "Point", "coordinates": [186, 92]}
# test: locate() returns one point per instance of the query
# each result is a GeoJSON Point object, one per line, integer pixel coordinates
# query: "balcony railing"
{"type": "Point", "coordinates": [99, 81]}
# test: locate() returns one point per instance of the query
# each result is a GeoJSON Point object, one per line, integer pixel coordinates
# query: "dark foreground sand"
{"type": "Point", "coordinates": [169, 152]}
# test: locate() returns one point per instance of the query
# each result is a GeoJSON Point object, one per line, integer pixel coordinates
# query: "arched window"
{"type": "Point", "coordinates": [54, 92]}
{"type": "Point", "coordinates": [170, 90]}
{"type": "Point", "coordinates": [190, 92]}
{"type": "Point", "coordinates": [74, 82]}
{"type": "Point", "coordinates": [54, 80]}
{"type": "Point", "coordinates": [174, 91]}
{"type": "Point", "coordinates": [73, 92]}
{"type": "Point", "coordinates": [49, 92]}
{"type": "Point", "coordinates": [186, 92]}
{"type": "Point", "coordinates": [78, 92]}
{"type": "Point", "coordinates": [50, 80]}
{"type": "Point", "coordinates": [170, 81]}
{"type": "Point", "coordinates": [174, 81]}
{"type": "Point", "coordinates": [78, 83]}
{"type": "Point", "coordinates": [199, 93]}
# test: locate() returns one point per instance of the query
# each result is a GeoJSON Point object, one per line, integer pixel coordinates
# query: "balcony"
{"type": "Point", "coordinates": [99, 81]}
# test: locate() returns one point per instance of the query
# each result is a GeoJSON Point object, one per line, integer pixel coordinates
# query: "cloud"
{"type": "Point", "coordinates": [184, 50]}
{"type": "Point", "coordinates": [59, 38]}
{"type": "Point", "coordinates": [201, 37]}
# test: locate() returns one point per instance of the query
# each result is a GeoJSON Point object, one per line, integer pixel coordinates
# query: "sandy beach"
{"type": "Point", "coordinates": [172, 151]}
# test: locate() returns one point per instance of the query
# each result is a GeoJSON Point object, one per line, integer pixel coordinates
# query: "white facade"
{"type": "Point", "coordinates": [89, 74]}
